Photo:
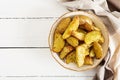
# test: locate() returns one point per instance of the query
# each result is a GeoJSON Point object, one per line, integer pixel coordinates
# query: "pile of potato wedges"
{"type": "Point", "coordinates": [77, 40]}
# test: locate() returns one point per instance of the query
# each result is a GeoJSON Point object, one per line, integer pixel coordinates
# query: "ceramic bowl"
{"type": "Point", "coordinates": [98, 23]}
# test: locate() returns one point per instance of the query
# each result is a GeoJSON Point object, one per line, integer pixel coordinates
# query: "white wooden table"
{"type": "Point", "coordinates": [24, 51]}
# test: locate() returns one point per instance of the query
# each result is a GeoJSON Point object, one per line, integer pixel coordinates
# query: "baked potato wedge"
{"type": "Point", "coordinates": [87, 52]}
{"type": "Point", "coordinates": [73, 41]}
{"type": "Point", "coordinates": [85, 19]}
{"type": "Point", "coordinates": [92, 37]}
{"type": "Point", "coordinates": [88, 27]}
{"type": "Point", "coordinates": [101, 41]}
{"type": "Point", "coordinates": [74, 24]}
{"type": "Point", "coordinates": [88, 60]}
{"type": "Point", "coordinates": [66, 50]}
{"type": "Point", "coordinates": [92, 54]}
{"type": "Point", "coordinates": [98, 50]}
{"type": "Point", "coordinates": [58, 42]}
{"type": "Point", "coordinates": [78, 35]}
{"type": "Point", "coordinates": [81, 30]}
{"type": "Point", "coordinates": [63, 24]}
{"type": "Point", "coordinates": [80, 54]}
{"type": "Point", "coordinates": [71, 58]}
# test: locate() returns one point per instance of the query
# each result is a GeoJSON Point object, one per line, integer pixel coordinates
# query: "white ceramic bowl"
{"type": "Point", "coordinates": [98, 23]}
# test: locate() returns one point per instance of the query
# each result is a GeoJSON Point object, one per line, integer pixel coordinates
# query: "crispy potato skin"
{"type": "Point", "coordinates": [85, 19]}
{"type": "Point", "coordinates": [74, 24]}
{"type": "Point", "coordinates": [58, 42]}
{"type": "Point", "coordinates": [92, 37]}
{"type": "Point", "coordinates": [98, 50]}
{"type": "Point", "coordinates": [66, 50]}
{"type": "Point", "coordinates": [71, 58]}
{"type": "Point", "coordinates": [73, 41]}
{"type": "Point", "coordinates": [88, 60]}
{"type": "Point", "coordinates": [80, 54]}
{"type": "Point", "coordinates": [63, 25]}
{"type": "Point", "coordinates": [78, 35]}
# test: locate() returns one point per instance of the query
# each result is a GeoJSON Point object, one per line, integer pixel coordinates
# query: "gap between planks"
{"type": "Point", "coordinates": [24, 47]}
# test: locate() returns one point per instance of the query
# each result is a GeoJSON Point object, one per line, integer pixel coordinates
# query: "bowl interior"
{"type": "Point", "coordinates": [98, 23]}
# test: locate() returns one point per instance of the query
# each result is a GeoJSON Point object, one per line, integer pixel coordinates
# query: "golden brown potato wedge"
{"type": "Point", "coordinates": [81, 30]}
{"type": "Point", "coordinates": [92, 54]}
{"type": "Point", "coordinates": [73, 41]}
{"type": "Point", "coordinates": [71, 58]}
{"type": "Point", "coordinates": [98, 50]}
{"type": "Point", "coordinates": [66, 50]}
{"type": "Point", "coordinates": [78, 35]}
{"type": "Point", "coordinates": [85, 19]}
{"type": "Point", "coordinates": [58, 42]}
{"type": "Point", "coordinates": [82, 27]}
{"type": "Point", "coordinates": [88, 60]}
{"type": "Point", "coordinates": [88, 27]}
{"type": "Point", "coordinates": [63, 24]}
{"type": "Point", "coordinates": [80, 54]}
{"type": "Point", "coordinates": [87, 52]}
{"type": "Point", "coordinates": [101, 41]}
{"type": "Point", "coordinates": [74, 24]}
{"type": "Point", "coordinates": [92, 36]}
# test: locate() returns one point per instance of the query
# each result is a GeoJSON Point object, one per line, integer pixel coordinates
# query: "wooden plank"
{"type": "Point", "coordinates": [35, 63]}
{"type": "Point", "coordinates": [30, 8]}
{"type": "Point", "coordinates": [25, 33]}
{"type": "Point", "coordinates": [26, 23]}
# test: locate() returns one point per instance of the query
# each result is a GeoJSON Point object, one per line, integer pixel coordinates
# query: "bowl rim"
{"type": "Point", "coordinates": [52, 51]}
